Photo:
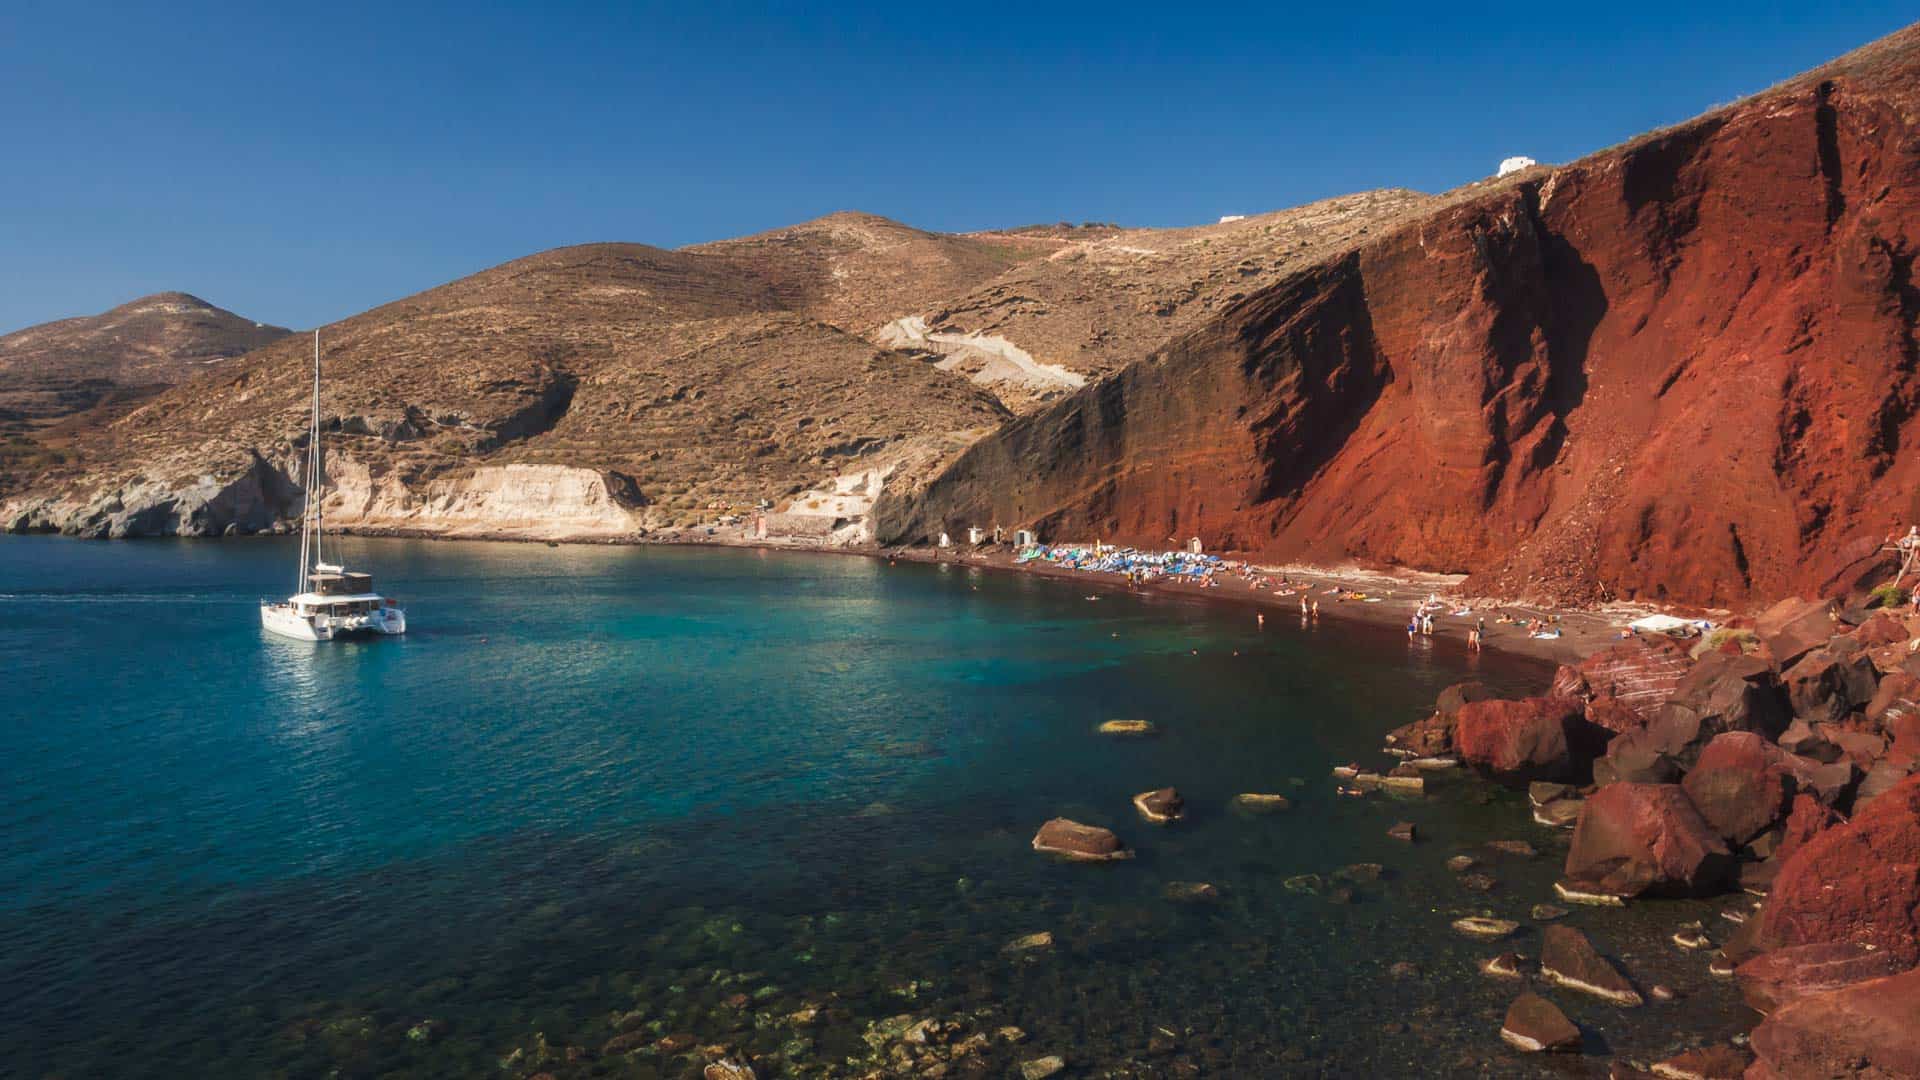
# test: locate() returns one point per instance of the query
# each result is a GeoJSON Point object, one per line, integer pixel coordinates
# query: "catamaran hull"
{"type": "Point", "coordinates": [283, 620]}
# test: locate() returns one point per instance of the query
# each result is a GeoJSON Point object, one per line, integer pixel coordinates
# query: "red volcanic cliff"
{"type": "Point", "coordinates": [1683, 368]}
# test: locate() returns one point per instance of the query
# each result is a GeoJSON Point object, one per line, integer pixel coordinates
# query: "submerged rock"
{"type": "Point", "coordinates": [1483, 927]}
{"type": "Point", "coordinates": [1191, 892]}
{"type": "Point", "coordinates": [1261, 802]}
{"type": "Point", "coordinates": [1041, 1068]}
{"type": "Point", "coordinates": [1161, 805]}
{"type": "Point", "coordinates": [1031, 942]}
{"type": "Point", "coordinates": [1508, 965]}
{"type": "Point", "coordinates": [1535, 1024]}
{"type": "Point", "coordinates": [728, 1069]}
{"type": "Point", "coordinates": [1072, 840]}
{"type": "Point", "coordinates": [1128, 727]}
{"type": "Point", "coordinates": [1403, 831]}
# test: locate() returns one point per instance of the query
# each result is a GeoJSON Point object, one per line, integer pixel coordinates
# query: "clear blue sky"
{"type": "Point", "coordinates": [299, 167]}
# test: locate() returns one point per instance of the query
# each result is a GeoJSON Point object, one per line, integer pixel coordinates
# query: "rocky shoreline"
{"type": "Point", "coordinates": [1780, 762]}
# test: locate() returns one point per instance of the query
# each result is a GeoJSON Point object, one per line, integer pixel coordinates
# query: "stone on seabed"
{"type": "Point", "coordinates": [1041, 1068]}
{"type": "Point", "coordinates": [1076, 841]}
{"type": "Point", "coordinates": [1533, 1024]}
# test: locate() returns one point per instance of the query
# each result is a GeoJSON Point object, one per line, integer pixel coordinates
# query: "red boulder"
{"type": "Point", "coordinates": [1858, 882]}
{"type": "Point", "coordinates": [1538, 738]}
{"type": "Point", "coordinates": [1824, 685]}
{"type": "Point", "coordinates": [1638, 838]}
{"type": "Point", "coordinates": [1881, 629]}
{"type": "Point", "coordinates": [1793, 628]}
{"type": "Point", "coordinates": [1743, 784]}
{"type": "Point", "coordinates": [1866, 1031]}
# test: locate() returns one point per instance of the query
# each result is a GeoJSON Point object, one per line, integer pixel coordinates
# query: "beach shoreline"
{"type": "Point", "coordinates": [1583, 631]}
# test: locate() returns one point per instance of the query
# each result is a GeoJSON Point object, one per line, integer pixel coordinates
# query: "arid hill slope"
{"type": "Point", "coordinates": [630, 387]}
{"type": "Point", "coordinates": [60, 368]}
{"type": "Point", "coordinates": [1682, 368]}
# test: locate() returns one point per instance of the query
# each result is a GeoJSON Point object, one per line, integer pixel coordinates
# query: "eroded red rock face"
{"type": "Point", "coordinates": [1856, 883]}
{"type": "Point", "coordinates": [1683, 368]}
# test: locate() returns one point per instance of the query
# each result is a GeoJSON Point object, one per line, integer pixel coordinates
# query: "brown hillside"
{"type": "Point", "coordinates": [60, 368]}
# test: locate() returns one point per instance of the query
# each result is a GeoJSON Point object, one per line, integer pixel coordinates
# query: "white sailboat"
{"type": "Point", "coordinates": [329, 600]}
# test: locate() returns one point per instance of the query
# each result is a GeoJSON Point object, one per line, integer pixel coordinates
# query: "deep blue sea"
{"type": "Point", "coordinates": [602, 797]}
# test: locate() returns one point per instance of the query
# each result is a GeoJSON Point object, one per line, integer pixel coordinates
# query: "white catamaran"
{"type": "Point", "coordinates": [331, 600]}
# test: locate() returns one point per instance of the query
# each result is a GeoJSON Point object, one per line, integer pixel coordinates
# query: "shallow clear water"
{"type": "Point", "coordinates": [600, 790]}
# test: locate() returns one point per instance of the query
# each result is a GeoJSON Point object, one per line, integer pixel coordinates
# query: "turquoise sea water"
{"type": "Point", "coordinates": [601, 793]}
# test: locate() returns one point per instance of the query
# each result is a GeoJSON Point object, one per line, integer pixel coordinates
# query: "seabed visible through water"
{"type": "Point", "coordinates": [602, 808]}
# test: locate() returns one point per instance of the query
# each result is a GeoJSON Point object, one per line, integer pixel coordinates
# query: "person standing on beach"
{"type": "Point", "coordinates": [1316, 609]}
{"type": "Point", "coordinates": [1413, 626]}
{"type": "Point", "coordinates": [1473, 639]}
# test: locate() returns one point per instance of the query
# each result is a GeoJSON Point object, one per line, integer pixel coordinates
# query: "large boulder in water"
{"type": "Point", "coordinates": [1793, 628]}
{"type": "Point", "coordinates": [1535, 738]}
{"type": "Point", "coordinates": [1568, 958]}
{"type": "Point", "coordinates": [1434, 735]}
{"type": "Point", "coordinates": [1858, 882]}
{"type": "Point", "coordinates": [1533, 1024]}
{"type": "Point", "coordinates": [1641, 838]}
{"type": "Point", "coordinates": [1867, 1031]}
{"type": "Point", "coordinates": [1743, 785]}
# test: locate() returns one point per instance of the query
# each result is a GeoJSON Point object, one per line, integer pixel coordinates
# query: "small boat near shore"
{"type": "Point", "coordinates": [330, 601]}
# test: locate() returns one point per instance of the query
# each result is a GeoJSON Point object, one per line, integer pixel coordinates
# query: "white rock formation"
{"type": "Point", "coordinates": [985, 358]}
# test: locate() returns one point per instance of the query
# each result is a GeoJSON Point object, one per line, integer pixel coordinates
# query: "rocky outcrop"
{"type": "Point", "coordinates": [253, 496]}
{"type": "Point", "coordinates": [1640, 838]}
{"type": "Point", "coordinates": [1622, 377]}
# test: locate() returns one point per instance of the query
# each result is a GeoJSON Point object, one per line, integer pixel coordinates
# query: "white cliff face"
{"type": "Point", "coordinates": [535, 501]}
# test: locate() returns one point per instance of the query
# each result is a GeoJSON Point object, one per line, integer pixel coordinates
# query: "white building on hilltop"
{"type": "Point", "coordinates": [1515, 164]}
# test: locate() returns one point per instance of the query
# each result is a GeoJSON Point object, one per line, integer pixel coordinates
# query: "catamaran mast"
{"type": "Point", "coordinates": [310, 516]}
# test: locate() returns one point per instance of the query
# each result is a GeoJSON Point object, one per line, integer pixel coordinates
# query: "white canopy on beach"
{"type": "Point", "coordinates": [1665, 624]}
